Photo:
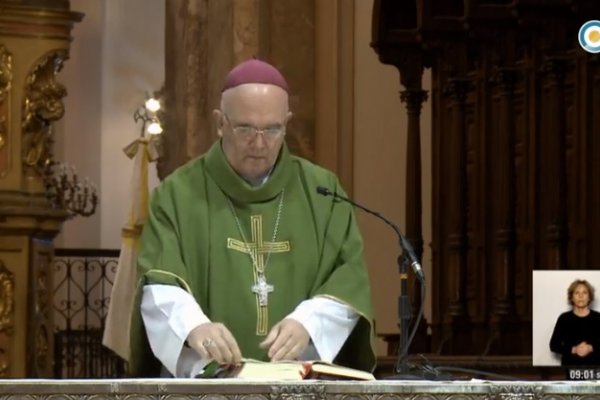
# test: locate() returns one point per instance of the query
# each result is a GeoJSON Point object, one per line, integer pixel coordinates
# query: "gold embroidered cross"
{"type": "Point", "coordinates": [257, 248]}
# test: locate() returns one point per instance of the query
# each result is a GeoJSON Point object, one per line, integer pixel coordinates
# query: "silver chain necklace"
{"type": "Point", "coordinates": [261, 272]}
{"type": "Point", "coordinates": [261, 288]}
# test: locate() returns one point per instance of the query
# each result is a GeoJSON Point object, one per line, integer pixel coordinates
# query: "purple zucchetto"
{"type": "Point", "coordinates": [254, 71]}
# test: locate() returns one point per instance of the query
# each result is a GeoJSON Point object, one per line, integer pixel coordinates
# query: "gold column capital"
{"type": "Point", "coordinates": [37, 22]}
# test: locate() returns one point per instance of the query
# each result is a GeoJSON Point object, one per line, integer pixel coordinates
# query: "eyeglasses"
{"type": "Point", "coordinates": [249, 131]}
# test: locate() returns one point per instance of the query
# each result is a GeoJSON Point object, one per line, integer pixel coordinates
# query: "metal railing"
{"type": "Point", "coordinates": [83, 281]}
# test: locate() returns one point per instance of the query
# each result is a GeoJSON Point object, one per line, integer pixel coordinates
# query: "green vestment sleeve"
{"type": "Point", "coordinates": [159, 261]}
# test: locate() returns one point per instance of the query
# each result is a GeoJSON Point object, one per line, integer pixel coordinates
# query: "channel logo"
{"type": "Point", "coordinates": [589, 36]}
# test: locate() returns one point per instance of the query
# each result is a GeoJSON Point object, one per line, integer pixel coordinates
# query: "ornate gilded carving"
{"type": "Point", "coordinates": [42, 106]}
{"type": "Point", "coordinates": [5, 72]}
{"type": "Point", "coordinates": [5, 84]}
{"type": "Point", "coordinates": [42, 310]}
{"type": "Point", "coordinates": [7, 283]}
{"type": "Point", "coordinates": [40, 333]}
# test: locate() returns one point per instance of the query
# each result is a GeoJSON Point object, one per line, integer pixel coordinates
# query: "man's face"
{"type": "Point", "coordinates": [252, 124]}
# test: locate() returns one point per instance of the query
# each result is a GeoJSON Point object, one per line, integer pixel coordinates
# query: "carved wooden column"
{"type": "Point", "coordinates": [552, 163]}
{"type": "Point", "coordinates": [502, 186]}
{"type": "Point", "coordinates": [414, 96]}
{"type": "Point", "coordinates": [34, 42]}
{"type": "Point", "coordinates": [456, 317]}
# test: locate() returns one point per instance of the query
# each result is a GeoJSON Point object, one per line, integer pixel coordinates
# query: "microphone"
{"type": "Point", "coordinates": [404, 242]}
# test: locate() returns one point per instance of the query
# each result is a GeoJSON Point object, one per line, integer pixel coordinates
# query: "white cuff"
{"type": "Point", "coordinates": [169, 314]}
{"type": "Point", "coordinates": [328, 322]}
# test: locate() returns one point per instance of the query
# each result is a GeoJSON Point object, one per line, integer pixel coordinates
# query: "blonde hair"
{"type": "Point", "coordinates": [574, 285]}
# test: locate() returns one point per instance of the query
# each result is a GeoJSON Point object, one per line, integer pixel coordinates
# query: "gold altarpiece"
{"type": "Point", "coordinates": [34, 43]}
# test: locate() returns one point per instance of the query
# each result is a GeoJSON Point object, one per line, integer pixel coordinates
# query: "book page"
{"type": "Point", "coordinates": [283, 370]}
{"type": "Point", "coordinates": [325, 368]}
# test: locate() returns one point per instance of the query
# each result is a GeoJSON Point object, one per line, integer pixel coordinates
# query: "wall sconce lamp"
{"type": "Point", "coordinates": [148, 114]}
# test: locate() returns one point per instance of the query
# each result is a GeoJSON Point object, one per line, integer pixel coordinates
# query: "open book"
{"type": "Point", "coordinates": [286, 370]}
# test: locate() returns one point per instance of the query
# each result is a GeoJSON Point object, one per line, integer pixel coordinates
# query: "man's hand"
{"type": "Point", "coordinates": [214, 341]}
{"type": "Point", "coordinates": [286, 341]}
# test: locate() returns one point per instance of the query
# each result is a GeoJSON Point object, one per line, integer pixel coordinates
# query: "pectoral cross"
{"type": "Point", "coordinates": [257, 248]}
{"type": "Point", "coordinates": [262, 289]}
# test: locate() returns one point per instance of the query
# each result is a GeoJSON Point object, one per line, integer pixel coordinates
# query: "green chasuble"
{"type": "Point", "coordinates": [209, 232]}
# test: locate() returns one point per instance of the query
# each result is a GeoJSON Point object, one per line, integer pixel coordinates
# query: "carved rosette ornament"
{"type": "Point", "coordinates": [41, 107]}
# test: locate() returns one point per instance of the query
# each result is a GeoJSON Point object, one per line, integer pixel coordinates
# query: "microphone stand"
{"type": "Point", "coordinates": [408, 257]}
{"type": "Point", "coordinates": [402, 369]}
{"type": "Point", "coordinates": [404, 317]}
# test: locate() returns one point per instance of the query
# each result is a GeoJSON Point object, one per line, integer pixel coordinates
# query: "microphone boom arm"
{"type": "Point", "coordinates": [404, 242]}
